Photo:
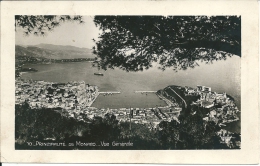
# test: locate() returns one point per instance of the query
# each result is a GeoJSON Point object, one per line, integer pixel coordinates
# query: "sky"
{"type": "Point", "coordinates": [68, 33]}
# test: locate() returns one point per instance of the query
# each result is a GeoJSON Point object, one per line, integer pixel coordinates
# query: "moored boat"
{"type": "Point", "coordinates": [99, 74]}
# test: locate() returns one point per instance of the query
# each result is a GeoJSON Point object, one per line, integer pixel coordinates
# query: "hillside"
{"type": "Point", "coordinates": [49, 51]}
{"type": "Point", "coordinates": [62, 48]}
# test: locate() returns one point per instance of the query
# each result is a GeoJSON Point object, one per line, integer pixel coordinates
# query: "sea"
{"type": "Point", "coordinates": [221, 76]}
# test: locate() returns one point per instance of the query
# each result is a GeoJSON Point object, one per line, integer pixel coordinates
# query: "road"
{"type": "Point", "coordinates": [179, 97]}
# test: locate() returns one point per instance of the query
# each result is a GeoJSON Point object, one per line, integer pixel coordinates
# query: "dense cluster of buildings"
{"type": "Point", "coordinates": [151, 117]}
{"type": "Point", "coordinates": [69, 96]}
{"type": "Point", "coordinates": [147, 116]}
{"type": "Point", "coordinates": [222, 108]}
{"type": "Point", "coordinates": [75, 98]}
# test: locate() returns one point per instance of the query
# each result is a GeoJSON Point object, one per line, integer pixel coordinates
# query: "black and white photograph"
{"type": "Point", "coordinates": [112, 82]}
{"type": "Point", "coordinates": [134, 82]}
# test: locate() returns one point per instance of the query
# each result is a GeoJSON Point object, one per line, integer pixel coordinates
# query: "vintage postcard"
{"type": "Point", "coordinates": [129, 82]}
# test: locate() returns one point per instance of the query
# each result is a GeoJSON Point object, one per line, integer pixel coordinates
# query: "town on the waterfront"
{"type": "Point", "coordinates": [75, 99]}
{"type": "Point", "coordinates": [167, 83]}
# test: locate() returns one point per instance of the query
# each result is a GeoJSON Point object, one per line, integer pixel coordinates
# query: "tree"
{"type": "Point", "coordinates": [104, 129]}
{"type": "Point", "coordinates": [133, 43]}
{"type": "Point", "coordinates": [40, 24]}
{"type": "Point", "coordinates": [169, 134]}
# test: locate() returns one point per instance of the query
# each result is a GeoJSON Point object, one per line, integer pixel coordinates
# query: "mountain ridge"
{"type": "Point", "coordinates": [51, 51]}
{"type": "Point", "coordinates": [60, 47]}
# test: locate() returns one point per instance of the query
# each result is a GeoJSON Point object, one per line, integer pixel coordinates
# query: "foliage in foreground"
{"type": "Point", "coordinates": [134, 43]}
{"type": "Point", "coordinates": [50, 125]}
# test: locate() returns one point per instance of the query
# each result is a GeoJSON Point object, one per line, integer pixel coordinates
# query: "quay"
{"type": "Point", "coordinates": [145, 91]}
{"type": "Point", "coordinates": [104, 93]}
{"type": "Point", "coordinates": [112, 92]}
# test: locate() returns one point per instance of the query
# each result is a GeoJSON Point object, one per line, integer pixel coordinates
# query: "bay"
{"type": "Point", "coordinates": [221, 76]}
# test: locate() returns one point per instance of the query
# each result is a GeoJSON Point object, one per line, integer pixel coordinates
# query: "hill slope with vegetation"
{"type": "Point", "coordinates": [50, 51]}
{"type": "Point", "coordinates": [47, 125]}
